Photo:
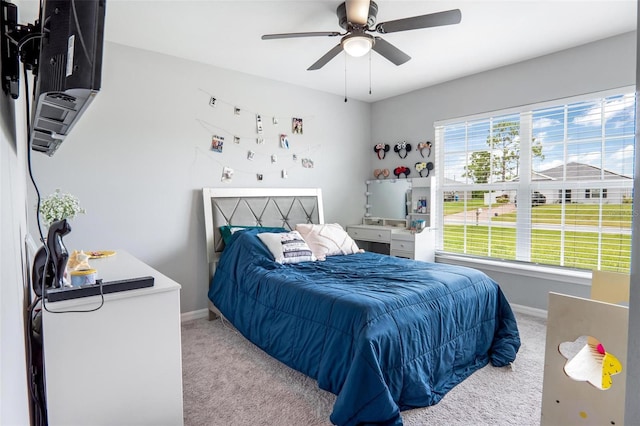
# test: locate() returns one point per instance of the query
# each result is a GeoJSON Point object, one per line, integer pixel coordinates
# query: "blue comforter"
{"type": "Point", "coordinates": [384, 334]}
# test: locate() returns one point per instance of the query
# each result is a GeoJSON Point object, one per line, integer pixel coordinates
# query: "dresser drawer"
{"type": "Point", "coordinates": [402, 253]}
{"type": "Point", "coordinates": [369, 234]}
{"type": "Point", "coordinates": [402, 245]}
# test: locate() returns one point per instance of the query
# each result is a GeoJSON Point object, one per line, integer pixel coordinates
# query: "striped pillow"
{"type": "Point", "coordinates": [327, 240]}
{"type": "Point", "coordinates": [287, 247]}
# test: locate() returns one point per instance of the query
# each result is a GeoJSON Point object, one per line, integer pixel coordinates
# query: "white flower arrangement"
{"type": "Point", "coordinates": [58, 206]}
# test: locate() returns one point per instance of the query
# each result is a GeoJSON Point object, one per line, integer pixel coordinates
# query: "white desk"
{"type": "Point", "coordinates": [119, 365]}
{"type": "Point", "coordinates": [400, 241]}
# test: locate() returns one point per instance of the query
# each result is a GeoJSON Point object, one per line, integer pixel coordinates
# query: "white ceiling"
{"type": "Point", "coordinates": [492, 34]}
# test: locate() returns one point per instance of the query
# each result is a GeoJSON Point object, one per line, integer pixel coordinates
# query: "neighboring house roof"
{"type": "Point", "coordinates": [575, 171]}
{"type": "Point", "coordinates": [540, 176]}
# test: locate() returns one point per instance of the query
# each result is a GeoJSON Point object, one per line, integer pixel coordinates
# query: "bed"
{"type": "Point", "coordinates": [383, 334]}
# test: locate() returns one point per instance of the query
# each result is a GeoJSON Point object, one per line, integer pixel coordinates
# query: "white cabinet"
{"type": "Point", "coordinates": [396, 241]}
{"type": "Point", "coordinates": [418, 245]}
{"type": "Point", "coordinates": [121, 364]}
{"type": "Point", "coordinates": [422, 202]}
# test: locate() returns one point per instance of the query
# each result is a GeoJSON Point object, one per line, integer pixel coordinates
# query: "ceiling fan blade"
{"type": "Point", "coordinates": [326, 58]}
{"type": "Point", "coordinates": [357, 11]}
{"type": "Point", "coordinates": [390, 52]}
{"type": "Point", "coordinates": [437, 19]}
{"type": "Point", "coordinates": [295, 35]}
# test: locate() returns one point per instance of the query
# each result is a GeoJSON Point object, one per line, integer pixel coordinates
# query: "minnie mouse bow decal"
{"type": "Point", "coordinates": [381, 173]}
{"type": "Point", "coordinates": [424, 165]}
{"type": "Point", "coordinates": [424, 145]}
{"type": "Point", "coordinates": [381, 149]}
{"type": "Point", "coordinates": [402, 170]}
{"type": "Point", "coordinates": [402, 146]}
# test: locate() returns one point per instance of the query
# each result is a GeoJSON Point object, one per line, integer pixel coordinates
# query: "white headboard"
{"type": "Point", "coordinates": [276, 207]}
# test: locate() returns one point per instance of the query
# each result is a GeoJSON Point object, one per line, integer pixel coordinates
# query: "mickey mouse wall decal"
{"type": "Point", "coordinates": [402, 146]}
{"type": "Point", "coordinates": [424, 145]}
{"type": "Point", "coordinates": [402, 170]}
{"type": "Point", "coordinates": [381, 149]}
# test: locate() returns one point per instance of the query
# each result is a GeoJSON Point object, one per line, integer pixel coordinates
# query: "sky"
{"type": "Point", "coordinates": [582, 124]}
{"type": "Point", "coordinates": [571, 133]}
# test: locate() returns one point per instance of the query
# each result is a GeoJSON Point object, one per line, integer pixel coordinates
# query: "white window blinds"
{"type": "Point", "coordinates": [550, 184]}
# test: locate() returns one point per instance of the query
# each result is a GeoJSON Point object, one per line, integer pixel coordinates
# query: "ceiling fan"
{"type": "Point", "coordinates": [358, 18]}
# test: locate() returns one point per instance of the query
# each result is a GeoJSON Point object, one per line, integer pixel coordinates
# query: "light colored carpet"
{"type": "Point", "coordinates": [228, 381]}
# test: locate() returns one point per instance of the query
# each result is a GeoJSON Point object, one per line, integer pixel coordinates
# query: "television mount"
{"type": "Point", "coordinates": [63, 49]}
{"type": "Point", "coordinates": [16, 45]}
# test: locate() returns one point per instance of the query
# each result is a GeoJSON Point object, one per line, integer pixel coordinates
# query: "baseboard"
{"type": "Point", "coordinates": [534, 312]}
{"type": "Point", "coordinates": [194, 315]}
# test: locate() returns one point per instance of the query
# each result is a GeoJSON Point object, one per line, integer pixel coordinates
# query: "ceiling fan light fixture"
{"type": "Point", "coordinates": [357, 42]}
{"type": "Point", "coordinates": [357, 45]}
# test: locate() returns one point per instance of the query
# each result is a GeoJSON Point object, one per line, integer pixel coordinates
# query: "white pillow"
{"type": "Point", "coordinates": [327, 240]}
{"type": "Point", "coordinates": [287, 247]}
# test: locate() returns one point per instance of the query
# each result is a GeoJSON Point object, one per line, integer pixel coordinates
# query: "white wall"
{"type": "Point", "coordinates": [139, 157]}
{"type": "Point", "coordinates": [602, 65]}
{"type": "Point", "coordinates": [14, 408]}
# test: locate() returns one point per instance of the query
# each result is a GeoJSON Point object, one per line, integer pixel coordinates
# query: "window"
{"type": "Point", "coordinates": [595, 193]}
{"type": "Point", "coordinates": [549, 184]}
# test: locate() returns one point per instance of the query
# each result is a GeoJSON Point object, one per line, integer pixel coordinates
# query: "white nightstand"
{"type": "Point", "coordinates": [121, 364]}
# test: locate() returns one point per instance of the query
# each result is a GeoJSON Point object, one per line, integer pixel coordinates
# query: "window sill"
{"type": "Point", "coordinates": [530, 270]}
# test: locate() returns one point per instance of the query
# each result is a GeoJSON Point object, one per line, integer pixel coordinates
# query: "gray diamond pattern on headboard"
{"type": "Point", "coordinates": [262, 209]}
{"type": "Point", "coordinates": [283, 212]}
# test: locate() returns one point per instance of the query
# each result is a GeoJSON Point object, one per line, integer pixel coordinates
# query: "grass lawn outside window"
{"type": "Point", "coordinates": [580, 248]}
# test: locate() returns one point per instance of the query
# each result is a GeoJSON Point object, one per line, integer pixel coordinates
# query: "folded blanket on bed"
{"type": "Point", "coordinates": [382, 333]}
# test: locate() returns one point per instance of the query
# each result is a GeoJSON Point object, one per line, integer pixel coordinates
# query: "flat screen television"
{"type": "Point", "coordinates": [64, 50]}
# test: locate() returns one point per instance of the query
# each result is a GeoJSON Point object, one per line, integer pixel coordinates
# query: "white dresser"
{"type": "Point", "coordinates": [396, 241]}
{"type": "Point", "coordinates": [119, 365]}
{"type": "Point", "coordinates": [392, 207]}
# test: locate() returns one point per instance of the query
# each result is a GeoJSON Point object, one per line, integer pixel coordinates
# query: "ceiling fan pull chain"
{"type": "Point", "coordinates": [369, 72]}
{"type": "Point", "coordinates": [345, 77]}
